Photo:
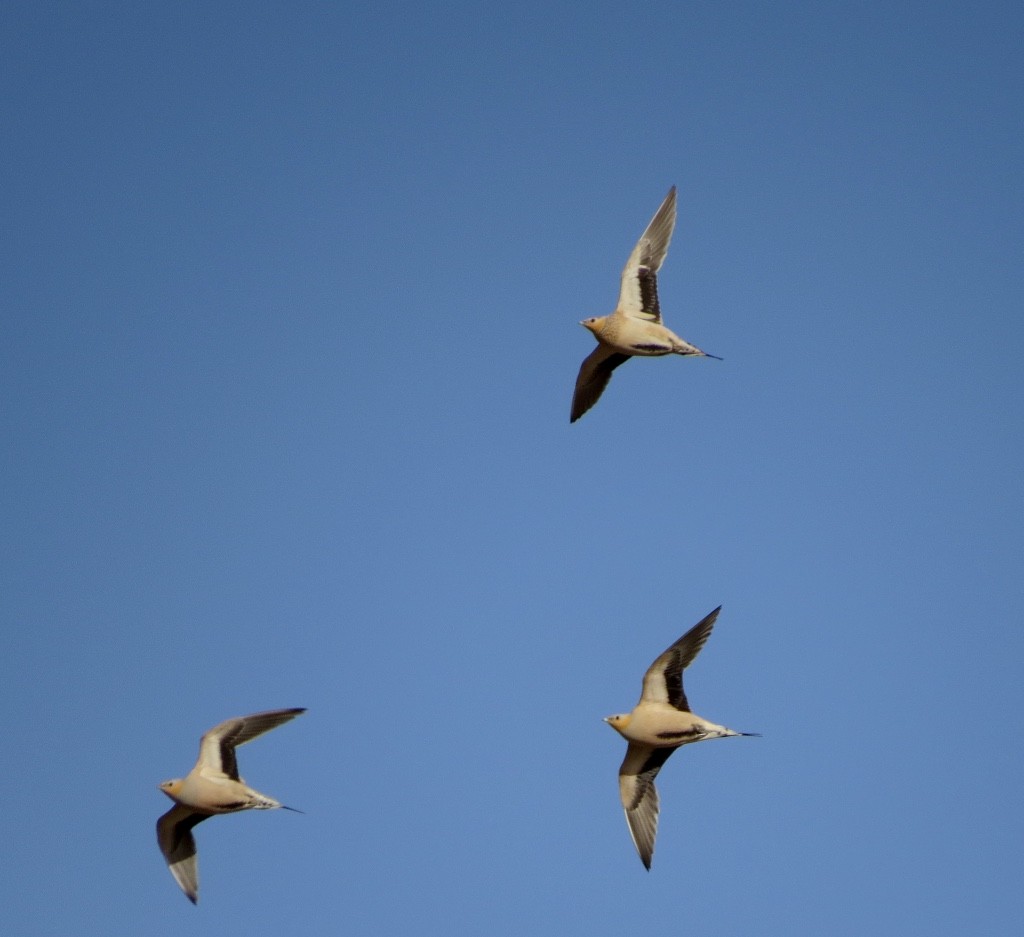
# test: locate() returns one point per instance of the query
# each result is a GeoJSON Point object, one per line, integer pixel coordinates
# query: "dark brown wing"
{"type": "Point", "coordinates": [174, 834]}
{"type": "Point", "coordinates": [595, 373]}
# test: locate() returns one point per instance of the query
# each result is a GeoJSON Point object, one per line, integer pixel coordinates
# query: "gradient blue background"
{"type": "Point", "coordinates": [290, 299]}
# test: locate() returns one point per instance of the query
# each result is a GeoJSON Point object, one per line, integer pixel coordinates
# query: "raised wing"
{"type": "Point", "coordinates": [595, 373]}
{"type": "Point", "coordinates": [174, 834]}
{"type": "Point", "coordinates": [663, 682]}
{"type": "Point", "coordinates": [639, 795]}
{"type": "Point", "coordinates": [217, 747]}
{"type": "Point", "coordinates": [638, 294]}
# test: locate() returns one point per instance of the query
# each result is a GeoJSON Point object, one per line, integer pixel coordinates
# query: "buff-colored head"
{"type": "Point", "coordinates": [620, 722]}
{"type": "Point", "coordinates": [595, 324]}
{"type": "Point", "coordinates": [172, 788]}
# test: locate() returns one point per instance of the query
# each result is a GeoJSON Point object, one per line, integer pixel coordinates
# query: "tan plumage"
{"type": "Point", "coordinates": [211, 787]}
{"type": "Point", "coordinates": [634, 328]}
{"type": "Point", "coordinates": [660, 723]}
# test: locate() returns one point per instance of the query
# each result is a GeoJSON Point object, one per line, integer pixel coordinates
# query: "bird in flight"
{"type": "Point", "coordinates": [212, 786]}
{"type": "Point", "coordinates": [634, 328]}
{"type": "Point", "coordinates": [659, 724]}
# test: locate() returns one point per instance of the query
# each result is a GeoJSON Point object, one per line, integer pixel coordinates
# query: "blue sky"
{"type": "Point", "coordinates": [290, 312]}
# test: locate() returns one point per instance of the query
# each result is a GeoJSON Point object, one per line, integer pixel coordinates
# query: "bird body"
{"type": "Point", "coordinates": [210, 793]}
{"type": "Point", "coordinates": [638, 337]}
{"type": "Point", "coordinates": [634, 328]}
{"type": "Point", "coordinates": [213, 786]}
{"type": "Point", "coordinates": [660, 723]}
{"type": "Point", "coordinates": [661, 726]}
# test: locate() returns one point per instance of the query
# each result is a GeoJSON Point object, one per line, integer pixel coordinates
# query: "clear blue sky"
{"type": "Point", "coordinates": [290, 306]}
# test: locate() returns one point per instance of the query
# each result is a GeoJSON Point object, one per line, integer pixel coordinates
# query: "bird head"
{"type": "Point", "coordinates": [172, 788]}
{"type": "Point", "coordinates": [619, 722]}
{"type": "Point", "coordinates": [595, 324]}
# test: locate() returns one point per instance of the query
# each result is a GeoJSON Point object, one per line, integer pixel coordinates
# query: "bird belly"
{"type": "Point", "coordinates": [664, 727]}
{"type": "Point", "coordinates": [214, 795]}
{"type": "Point", "coordinates": [636, 337]}
{"type": "Point", "coordinates": [643, 345]}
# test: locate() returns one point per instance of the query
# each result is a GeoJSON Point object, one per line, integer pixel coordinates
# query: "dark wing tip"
{"type": "Point", "coordinates": [691, 643]}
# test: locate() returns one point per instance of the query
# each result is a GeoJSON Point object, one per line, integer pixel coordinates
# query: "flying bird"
{"type": "Point", "coordinates": [634, 328]}
{"type": "Point", "coordinates": [659, 724]}
{"type": "Point", "coordinates": [212, 786]}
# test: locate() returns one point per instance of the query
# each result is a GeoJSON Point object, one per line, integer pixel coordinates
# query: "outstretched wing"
{"type": "Point", "coordinates": [638, 294]}
{"type": "Point", "coordinates": [217, 747]}
{"type": "Point", "coordinates": [174, 834]}
{"type": "Point", "coordinates": [639, 795]}
{"type": "Point", "coordinates": [595, 373]}
{"type": "Point", "coordinates": [663, 682]}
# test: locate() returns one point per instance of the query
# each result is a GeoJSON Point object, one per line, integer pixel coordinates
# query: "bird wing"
{"type": "Point", "coordinates": [217, 747]}
{"type": "Point", "coordinates": [638, 294]}
{"type": "Point", "coordinates": [639, 795]}
{"type": "Point", "coordinates": [174, 834]}
{"type": "Point", "coordinates": [663, 682]}
{"type": "Point", "coordinates": [595, 373]}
